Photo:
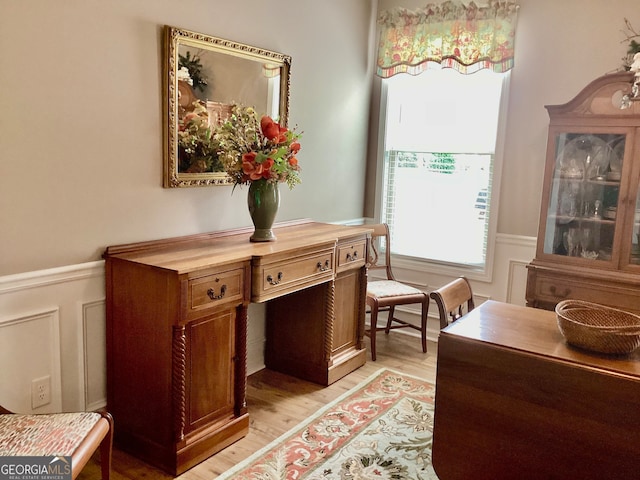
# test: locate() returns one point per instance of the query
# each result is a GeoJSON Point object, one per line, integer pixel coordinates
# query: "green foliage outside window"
{"type": "Point", "coordinates": [443, 163]}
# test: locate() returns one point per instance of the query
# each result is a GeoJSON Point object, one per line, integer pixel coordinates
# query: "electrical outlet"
{"type": "Point", "coordinates": [40, 391]}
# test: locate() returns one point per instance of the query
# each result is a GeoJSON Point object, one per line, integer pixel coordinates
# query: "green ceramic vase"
{"type": "Point", "coordinates": [263, 201]}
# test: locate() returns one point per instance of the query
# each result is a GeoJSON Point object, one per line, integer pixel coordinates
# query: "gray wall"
{"type": "Point", "coordinates": [81, 136]}
{"type": "Point", "coordinates": [81, 125]}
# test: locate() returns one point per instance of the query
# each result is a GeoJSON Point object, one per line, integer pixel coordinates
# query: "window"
{"type": "Point", "coordinates": [439, 160]}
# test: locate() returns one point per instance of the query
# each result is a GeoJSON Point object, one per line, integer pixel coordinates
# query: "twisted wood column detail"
{"type": "Point", "coordinates": [178, 379]}
{"type": "Point", "coordinates": [241, 360]}
{"type": "Point", "coordinates": [329, 320]}
{"type": "Point", "coordinates": [362, 308]}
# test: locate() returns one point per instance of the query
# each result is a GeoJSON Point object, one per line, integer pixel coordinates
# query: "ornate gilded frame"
{"type": "Point", "coordinates": [217, 52]}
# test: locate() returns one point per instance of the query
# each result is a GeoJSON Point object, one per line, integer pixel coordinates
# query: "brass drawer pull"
{"type": "Point", "coordinates": [212, 294]}
{"type": "Point", "coordinates": [352, 258]}
{"type": "Point", "coordinates": [276, 281]}
{"type": "Point", "coordinates": [325, 267]}
{"type": "Point", "coordinates": [566, 292]}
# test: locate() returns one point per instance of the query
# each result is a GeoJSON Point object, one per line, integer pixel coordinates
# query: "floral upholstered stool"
{"type": "Point", "coordinates": [77, 435]}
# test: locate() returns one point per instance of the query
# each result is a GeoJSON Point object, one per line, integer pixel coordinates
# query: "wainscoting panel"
{"type": "Point", "coordinates": [517, 282]}
{"type": "Point", "coordinates": [95, 353]}
{"type": "Point", "coordinates": [30, 350]}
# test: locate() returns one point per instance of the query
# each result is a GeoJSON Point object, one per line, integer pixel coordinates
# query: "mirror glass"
{"type": "Point", "coordinates": [205, 75]}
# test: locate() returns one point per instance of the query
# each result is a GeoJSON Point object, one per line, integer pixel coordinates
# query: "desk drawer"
{"type": "Point", "coordinates": [213, 290]}
{"type": "Point", "coordinates": [351, 254]}
{"type": "Point", "coordinates": [292, 274]}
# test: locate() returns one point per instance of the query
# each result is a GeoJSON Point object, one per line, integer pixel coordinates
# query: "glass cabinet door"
{"type": "Point", "coordinates": [634, 256]}
{"type": "Point", "coordinates": [583, 200]}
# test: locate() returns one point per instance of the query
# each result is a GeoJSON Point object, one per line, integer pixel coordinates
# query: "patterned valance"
{"type": "Point", "coordinates": [465, 37]}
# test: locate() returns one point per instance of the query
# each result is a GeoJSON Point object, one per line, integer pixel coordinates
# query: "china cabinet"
{"type": "Point", "coordinates": [588, 244]}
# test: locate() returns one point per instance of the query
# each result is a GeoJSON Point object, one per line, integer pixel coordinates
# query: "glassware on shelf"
{"type": "Point", "coordinates": [582, 195]}
{"type": "Point", "coordinates": [615, 162]}
{"type": "Point", "coordinates": [586, 247]}
{"type": "Point", "coordinates": [597, 208]}
{"type": "Point", "coordinates": [584, 157]}
{"type": "Point", "coordinates": [572, 242]}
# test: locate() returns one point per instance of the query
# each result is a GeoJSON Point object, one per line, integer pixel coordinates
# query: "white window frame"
{"type": "Point", "coordinates": [424, 265]}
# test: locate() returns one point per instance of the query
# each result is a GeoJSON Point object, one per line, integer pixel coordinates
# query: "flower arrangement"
{"type": "Point", "coordinates": [196, 142]}
{"type": "Point", "coordinates": [252, 149]}
{"type": "Point", "coordinates": [632, 36]}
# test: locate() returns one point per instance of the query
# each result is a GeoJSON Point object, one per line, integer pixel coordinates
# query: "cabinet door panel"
{"type": "Point", "coordinates": [347, 304]}
{"type": "Point", "coordinates": [210, 370]}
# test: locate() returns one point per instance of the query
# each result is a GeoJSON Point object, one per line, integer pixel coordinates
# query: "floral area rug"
{"type": "Point", "coordinates": [382, 429]}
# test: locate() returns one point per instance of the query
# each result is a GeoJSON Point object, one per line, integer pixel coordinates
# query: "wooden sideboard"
{"type": "Point", "coordinates": [513, 400]}
{"type": "Point", "coordinates": [177, 329]}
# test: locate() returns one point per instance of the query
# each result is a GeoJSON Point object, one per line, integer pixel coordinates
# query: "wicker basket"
{"type": "Point", "coordinates": [597, 327]}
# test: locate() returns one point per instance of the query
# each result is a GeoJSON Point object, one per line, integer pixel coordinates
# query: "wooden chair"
{"type": "Point", "coordinates": [77, 435]}
{"type": "Point", "coordinates": [385, 295]}
{"type": "Point", "coordinates": [454, 300]}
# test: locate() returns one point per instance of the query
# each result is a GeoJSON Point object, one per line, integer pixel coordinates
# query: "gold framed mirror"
{"type": "Point", "coordinates": [204, 76]}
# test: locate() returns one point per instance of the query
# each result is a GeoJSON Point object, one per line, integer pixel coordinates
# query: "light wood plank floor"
{"type": "Point", "coordinates": [279, 402]}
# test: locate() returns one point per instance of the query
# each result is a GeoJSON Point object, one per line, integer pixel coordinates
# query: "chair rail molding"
{"type": "Point", "coordinates": [52, 276]}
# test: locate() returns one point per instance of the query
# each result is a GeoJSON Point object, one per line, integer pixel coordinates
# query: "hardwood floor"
{"type": "Point", "coordinates": [279, 402]}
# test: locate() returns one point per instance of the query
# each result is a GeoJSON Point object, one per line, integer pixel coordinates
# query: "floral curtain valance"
{"type": "Point", "coordinates": [467, 38]}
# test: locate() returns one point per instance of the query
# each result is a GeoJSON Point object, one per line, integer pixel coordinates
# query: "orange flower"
{"type": "Point", "coordinates": [272, 130]}
{"type": "Point", "coordinates": [282, 134]}
{"type": "Point", "coordinates": [189, 116]}
{"type": "Point", "coordinates": [268, 163]}
{"type": "Point", "coordinates": [249, 157]}
{"type": "Point", "coordinates": [293, 161]}
{"type": "Point", "coordinates": [253, 170]}
{"type": "Point", "coordinates": [294, 147]}
{"type": "Point", "coordinates": [269, 128]}
{"type": "Point", "coordinates": [247, 167]}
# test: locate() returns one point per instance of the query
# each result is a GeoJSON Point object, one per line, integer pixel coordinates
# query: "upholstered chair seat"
{"type": "Point", "coordinates": [390, 288]}
{"type": "Point", "coordinates": [77, 435]}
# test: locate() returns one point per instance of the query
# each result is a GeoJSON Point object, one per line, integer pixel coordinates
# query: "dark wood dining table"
{"type": "Point", "coordinates": [515, 401]}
